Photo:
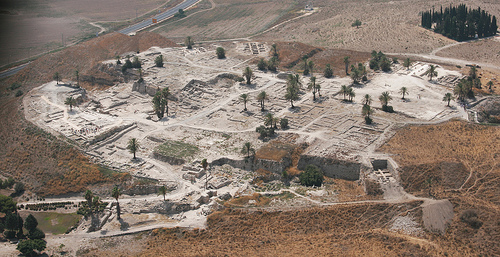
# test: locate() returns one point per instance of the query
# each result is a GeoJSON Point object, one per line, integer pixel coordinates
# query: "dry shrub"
{"type": "Point", "coordinates": [244, 200]}
{"type": "Point", "coordinates": [471, 218]}
{"type": "Point", "coordinates": [373, 188]}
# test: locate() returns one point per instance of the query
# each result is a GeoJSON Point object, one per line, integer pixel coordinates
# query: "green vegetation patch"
{"type": "Point", "coordinates": [177, 149]}
{"type": "Point", "coordinates": [56, 223]}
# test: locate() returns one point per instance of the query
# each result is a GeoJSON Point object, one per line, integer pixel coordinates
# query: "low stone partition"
{"type": "Point", "coordinates": [168, 159]}
{"type": "Point", "coordinates": [332, 168]}
{"type": "Point", "coordinates": [252, 164]}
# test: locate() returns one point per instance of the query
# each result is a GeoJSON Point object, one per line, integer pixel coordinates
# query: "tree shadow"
{"type": "Point", "coordinates": [123, 225]}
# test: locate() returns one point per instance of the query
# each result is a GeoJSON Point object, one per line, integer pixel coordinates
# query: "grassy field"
{"type": "Point", "coordinates": [52, 222]}
{"type": "Point", "coordinates": [177, 149]}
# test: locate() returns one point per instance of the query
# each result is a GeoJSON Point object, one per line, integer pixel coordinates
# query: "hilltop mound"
{"type": "Point", "coordinates": [84, 56]}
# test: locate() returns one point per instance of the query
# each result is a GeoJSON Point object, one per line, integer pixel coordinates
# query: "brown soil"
{"type": "Point", "coordinates": [46, 164]}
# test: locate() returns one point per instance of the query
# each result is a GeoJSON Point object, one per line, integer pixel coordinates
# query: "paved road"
{"type": "Point", "coordinates": [160, 17]}
{"type": "Point", "coordinates": [12, 71]}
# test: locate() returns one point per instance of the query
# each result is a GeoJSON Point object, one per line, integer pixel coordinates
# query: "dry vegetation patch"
{"type": "Point", "coordinates": [458, 161]}
{"type": "Point", "coordinates": [339, 230]}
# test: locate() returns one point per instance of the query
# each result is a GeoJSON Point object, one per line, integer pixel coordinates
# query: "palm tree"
{"type": "Point", "coordinates": [268, 120]}
{"type": "Point", "coordinates": [461, 89]}
{"type": "Point", "coordinates": [489, 84]}
{"type": "Point", "coordinates": [473, 72]}
{"type": "Point", "coordinates": [447, 98]}
{"type": "Point", "coordinates": [133, 146]}
{"type": "Point", "coordinates": [247, 73]}
{"type": "Point", "coordinates": [318, 87]}
{"type": "Point", "coordinates": [115, 193]}
{"type": "Point", "coordinates": [312, 85]}
{"type": "Point", "coordinates": [407, 63]}
{"type": "Point", "coordinates": [189, 42]}
{"type": "Point", "coordinates": [294, 81]}
{"type": "Point", "coordinates": [88, 198]}
{"type": "Point", "coordinates": [274, 50]}
{"type": "Point", "coordinates": [244, 98]}
{"type": "Point", "coordinates": [162, 191]}
{"type": "Point", "coordinates": [403, 91]}
{"type": "Point", "coordinates": [261, 97]}
{"type": "Point", "coordinates": [346, 62]}
{"type": "Point", "coordinates": [57, 77]}
{"type": "Point", "coordinates": [306, 67]}
{"type": "Point", "coordinates": [96, 202]}
{"type": "Point", "coordinates": [343, 90]}
{"type": "Point", "coordinates": [384, 98]}
{"type": "Point", "coordinates": [355, 74]}
{"type": "Point", "coordinates": [367, 99]}
{"type": "Point", "coordinates": [71, 102]}
{"type": "Point", "coordinates": [165, 93]}
{"type": "Point", "coordinates": [366, 111]}
{"type": "Point", "coordinates": [310, 65]}
{"type": "Point", "coordinates": [204, 165]}
{"type": "Point", "coordinates": [292, 94]}
{"type": "Point", "coordinates": [351, 94]}
{"type": "Point", "coordinates": [431, 72]}
{"type": "Point", "coordinates": [247, 149]}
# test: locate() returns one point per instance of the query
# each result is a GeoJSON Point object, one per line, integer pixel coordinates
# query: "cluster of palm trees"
{"type": "Point", "coordinates": [160, 102]}
{"type": "Point", "coordinates": [347, 91]}
{"type": "Point", "coordinates": [293, 88]}
{"type": "Point", "coordinates": [261, 97]}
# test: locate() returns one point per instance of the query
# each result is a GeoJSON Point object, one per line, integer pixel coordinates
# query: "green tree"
{"type": "Point", "coordinates": [71, 102]}
{"type": "Point", "coordinates": [221, 53]}
{"type": "Point", "coordinates": [7, 205]}
{"type": "Point", "coordinates": [367, 99]}
{"type": "Point", "coordinates": [367, 111]}
{"type": "Point", "coordinates": [165, 94]}
{"type": "Point", "coordinates": [136, 63]}
{"type": "Point", "coordinates": [272, 64]}
{"type": "Point", "coordinates": [473, 72]}
{"type": "Point", "coordinates": [244, 98]}
{"type": "Point", "coordinates": [384, 98]}
{"type": "Point", "coordinates": [447, 98]}
{"type": "Point", "coordinates": [283, 123]}
{"type": "Point", "coordinates": [248, 149]}
{"type": "Point", "coordinates": [292, 94]}
{"type": "Point", "coordinates": [262, 97]}
{"type": "Point", "coordinates": [490, 84]}
{"type": "Point", "coordinates": [356, 23]}
{"type": "Point", "coordinates": [133, 146]}
{"type": "Point", "coordinates": [247, 73]}
{"type": "Point", "coordinates": [88, 197]}
{"type": "Point", "coordinates": [158, 105]}
{"type": "Point", "coordinates": [262, 65]}
{"type": "Point", "coordinates": [346, 62]}
{"type": "Point", "coordinates": [269, 119]}
{"type": "Point", "coordinates": [57, 77]}
{"type": "Point", "coordinates": [431, 72]}
{"type": "Point", "coordinates": [189, 43]}
{"type": "Point", "coordinates": [312, 86]}
{"type": "Point", "coordinates": [328, 73]}
{"type": "Point", "coordinates": [28, 247]}
{"type": "Point", "coordinates": [274, 50]}
{"type": "Point", "coordinates": [36, 233]}
{"type": "Point", "coordinates": [30, 223]}
{"type": "Point", "coordinates": [115, 193]}
{"type": "Point", "coordinates": [343, 90]}
{"type": "Point", "coordinates": [351, 94]}
{"type": "Point", "coordinates": [306, 67]}
{"type": "Point", "coordinates": [310, 65]}
{"type": "Point", "coordinates": [311, 176]}
{"type": "Point", "coordinates": [355, 74]}
{"type": "Point", "coordinates": [403, 91]}
{"type": "Point", "coordinates": [159, 61]}
{"type": "Point", "coordinates": [162, 191]}
{"type": "Point", "coordinates": [204, 165]}
{"type": "Point", "coordinates": [407, 63]}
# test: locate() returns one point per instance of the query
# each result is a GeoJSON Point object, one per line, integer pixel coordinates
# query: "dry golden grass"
{"type": "Point", "coordinates": [275, 150]}
{"type": "Point", "coordinates": [355, 230]}
{"type": "Point", "coordinates": [462, 163]}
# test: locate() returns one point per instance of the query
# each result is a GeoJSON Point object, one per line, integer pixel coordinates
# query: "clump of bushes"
{"type": "Point", "coordinates": [264, 131]}
{"type": "Point", "coordinates": [471, 218]}
{"type": "Point", "coordinates": [312, 176]}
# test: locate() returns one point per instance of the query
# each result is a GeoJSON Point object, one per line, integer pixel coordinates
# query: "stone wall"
{"type": "Point", "coordinates": [332, 168]}
{"type": "Point", "coordinates": [251, 164]}
{"type": "Point", "coordinates": [143, 88]}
